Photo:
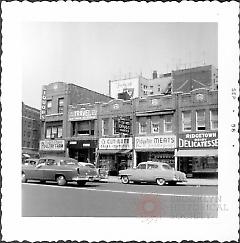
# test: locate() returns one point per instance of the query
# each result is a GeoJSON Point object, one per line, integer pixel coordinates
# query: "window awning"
{"type": "Point", "coordinates": [197, 153]}
{"type": "Point", "coordinates": [155, 150]}
{"type": "Point", "coordinates": [154, 113]}
{"type": "Point", "coordinates": [114, 151]}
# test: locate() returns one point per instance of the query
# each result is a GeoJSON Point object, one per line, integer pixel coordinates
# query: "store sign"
{"type": "Point", "coordinates": [82, 114]}
{"type": "Point", "coordinates": [123, 125]}
{"type": "Point", "coordinates": [156, 142]}
{"type": "Point", "coordinates": [115, 143]}
{"type": "Point", "coordinates": [52, 145]}
{"type": "Point", "coordinates": [43, 106]}
{"type": "Point", "coordinates": [198, 140]}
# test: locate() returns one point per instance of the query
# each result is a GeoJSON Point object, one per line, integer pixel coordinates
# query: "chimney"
{"type": "Point", "coordinates": [154, 74]}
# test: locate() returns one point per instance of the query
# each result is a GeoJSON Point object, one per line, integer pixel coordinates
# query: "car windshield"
{"type": "Point", "coordinates": [71, 162]}
{"type": "Point", "coordinates": [167, 167]}
{"type": "Point", "coordinates": [90, 166]}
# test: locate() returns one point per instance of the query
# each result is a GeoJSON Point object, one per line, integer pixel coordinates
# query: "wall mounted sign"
{"type": "Point", "coordinates": [198, 140]}
{"type": "Point", "coordinates": [82, 114]}
{"type": "Point", "coordinates": [52, 145]}
{"type": "Point", "coordinates": [123, 125]}
{"type": "Point", "coordinates": [115, 143]}
{"type": "Point", "coordinates": [43, 105]}
{"type": "Point", "coordinates": [156, 142]}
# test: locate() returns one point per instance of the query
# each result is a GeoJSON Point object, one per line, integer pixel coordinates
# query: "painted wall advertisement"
{"type": "Point", "coordinates": [52, 145]}
{"type": "Point", "coordinates": [198, 140]}
{"type": "Point", "coordinates": [82, 114]}
{"type": "Point", "coordinates": [156, 142]}
{"type": "Point", "coordinates": [115, 143]}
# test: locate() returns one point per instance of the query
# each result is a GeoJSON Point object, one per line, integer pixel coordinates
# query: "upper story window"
{"type": "Point", "coordinates": [200, 120]}
{"type": "Point", "coordinates": [115, 126]}
{"type": "Point", "coordinates": [168, 123]}
{"type": "Point", "coordinates": [214, 119]}
{"type": "Point", "coordinates": [60, 105]}
{"type": "Point", "coordinates": [105, 126]}
{"type": "Point", "coordinates": [142, 126]}
{"type": "Point", "coordinates": [155, 128]}
{"type": "Point", "coordinates": [49, 106]}
{"type": "Point", "coordinates": [186, 121]}
{"type": "Point", "coordinates": [84, 128]}
{"type": "Point", "coordinates": [54, 132]}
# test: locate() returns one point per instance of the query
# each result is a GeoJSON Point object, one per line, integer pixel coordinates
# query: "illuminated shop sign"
{"type": "Point", "coordinates": [198, 140]}
{"type": "Point", "coordinates": [82, 114]}
{"type": "Point", "coordinates": [52, 145]}
{"type": "Point", "coordinates": [115, 143]}
{"type": "Point", "coordinates": [43, 106]}
{"type": "Point", "coordinates": [156, 142]}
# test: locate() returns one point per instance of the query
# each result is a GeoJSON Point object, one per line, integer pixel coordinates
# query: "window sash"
{"type": "Point", "coordinates": [200, 120]}
{"type": "Point", "coordinates": [186, 121]}
{"type": "Point", "coordinates": [142, 127]}
{"type": "Point", "coordinates": [105, 128]}
{"type": "Point", "coordinates": [214, 119]}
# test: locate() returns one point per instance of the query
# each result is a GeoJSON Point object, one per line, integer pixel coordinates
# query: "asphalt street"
{"type": "Point", "coordinates": [117, 200]}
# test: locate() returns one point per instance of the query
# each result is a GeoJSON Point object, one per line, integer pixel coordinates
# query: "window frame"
{"type": "Point", "coordinates": [48, 108]}
{"type": "Point", "coordinates": [197, 121]}
{"type": "Point", "coordinates": [183, 123]}
{"type": "Point", "coordinates": [103, 126]}
{"type": "Point", "coordinates": [139, 127]}
{"type": "Point", "coordinates": [60, 107]}
{"type": "Point", "coordinates": [167, 123]}
{"type": "Point", "coordinates": [211, 120]}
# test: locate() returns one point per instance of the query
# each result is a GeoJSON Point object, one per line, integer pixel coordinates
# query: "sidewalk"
{"type": "Point", "coordinates": [190, 181]}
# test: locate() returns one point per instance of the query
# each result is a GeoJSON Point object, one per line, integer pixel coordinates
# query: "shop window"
{"type": "Point", "coordinates": [168, 124]}
{"type": "Point", "coordinates": [49, 106]}
{"type": "Point", "coordinates": [142, 126]}
{"type": "Point", "coordinates": [186, 121]}
{"type": "Point", "coordinates": [60, 105]}
{"type": "Point", "coordinates": [105, 126]}
{"type": "Point", "coordinates": [200, 120]}
{"type": "Point", "coordinates": [214, 119]}
{"type": "Point", "coordinates": [155, 128]}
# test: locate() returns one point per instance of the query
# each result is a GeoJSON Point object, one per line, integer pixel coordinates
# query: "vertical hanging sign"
{"type": "Point", "coordinates": [43, 105]}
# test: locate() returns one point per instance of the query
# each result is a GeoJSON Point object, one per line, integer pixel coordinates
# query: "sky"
{"type": "Point", "coordinates": [90, 54]}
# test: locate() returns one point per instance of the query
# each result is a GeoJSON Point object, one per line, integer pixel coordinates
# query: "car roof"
{"type": "Point", "coordinates": [153, 162]}
{"type": "Point", "coordinates": [33, 159]}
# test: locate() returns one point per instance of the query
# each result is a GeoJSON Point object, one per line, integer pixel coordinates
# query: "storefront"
{"type": "Point", "coordinates": [115, 154]}
{"type": "Point", "coordinates": [156, 148]}
{"type": "Point", "coordinates": [54, 147]}
{"type": "Point", "coordinates": [198, 154]}
{"type": "Point", "coordinates": [82, 150]}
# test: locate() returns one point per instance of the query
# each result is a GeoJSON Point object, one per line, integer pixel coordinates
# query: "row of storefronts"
{"type": "Point", "coordinates": [192, 153]}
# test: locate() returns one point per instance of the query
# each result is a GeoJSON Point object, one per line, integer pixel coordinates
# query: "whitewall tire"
{"type": "Point", "coordinates": [160, 181]}
{"type": "Point", "coordinates": [125, 179]}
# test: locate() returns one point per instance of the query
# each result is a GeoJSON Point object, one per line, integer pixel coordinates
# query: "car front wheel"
{"type": "Point", "coordinates": [61, 181]}
{"type": "Point", "coordinates": [24, 178]}
{"type": "Point", "coordinates": [125, 180]}
{"type": "Point", "coordinates": [160, 181]}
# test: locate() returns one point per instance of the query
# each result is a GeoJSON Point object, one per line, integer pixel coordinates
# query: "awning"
{"type": "Point", "coordinates": [154, 113]}
{"type": "Point", "coordinates": [114, 151]}
{"type": "Point", "coordinates": [162, 150]}
{"type": "Point", "coordinates": [197, 153]}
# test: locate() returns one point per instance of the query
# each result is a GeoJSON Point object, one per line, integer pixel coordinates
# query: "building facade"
{"type": "Point", "coordinates": [115, 123]}
{"type": "Point", "coordinates": [30, 130]}
{"type": "Point", "coordinates": [55, 124]}
{"type": "Point", "coordinates": [198, 132]}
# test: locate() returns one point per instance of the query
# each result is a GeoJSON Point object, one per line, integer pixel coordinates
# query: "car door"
{"type": "Point", "coordinates": [139, 173]}
{"type": "Point", "coordinates": [152, 172]}
{"type": "Point", "coordinates": [49, 169]}
{"type": "Point", "coordinates": [35, 172]}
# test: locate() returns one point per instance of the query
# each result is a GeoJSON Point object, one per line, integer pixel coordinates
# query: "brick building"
{"type": "Point", "coordinates": [197, 113]}
{"type": "Point", "coordinates": [186, 80]}
{"type": "Point", "coordinates": [55, 128]}
{"type": "Point", "coordinates": [30, 130]}
{"type": "Point", "coordinates": [115, 142]}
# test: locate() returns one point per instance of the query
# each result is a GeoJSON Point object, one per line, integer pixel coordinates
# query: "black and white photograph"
{"type": "Point", "coordinates": [118, 122]}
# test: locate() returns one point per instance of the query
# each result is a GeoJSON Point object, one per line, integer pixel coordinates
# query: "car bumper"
{"type": "Point", "coordinates": [85, 178]}
{"type": "Point", "coordinates": [179, 179]}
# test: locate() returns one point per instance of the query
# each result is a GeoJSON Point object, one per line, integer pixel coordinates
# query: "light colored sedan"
{"type": "Point", "coordinates": [150, 171]}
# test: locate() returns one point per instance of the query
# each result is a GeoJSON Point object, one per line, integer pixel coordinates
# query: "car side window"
{"type": "Point", "coordinates": [166, 167]}
{"type": "Point", "coordinates": [152, 166]}
{"type": "Point", "coordinates": [51, 162]}
{"type": "Point", "coordinates": [42, 161]}
{"type": "Point", "coordinates": [142, 166]}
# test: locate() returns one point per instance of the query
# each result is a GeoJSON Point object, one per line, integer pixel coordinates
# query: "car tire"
{"type": "Point", "coordinates": [160, 181]}
{"type": "Point", "coordinates": [125, 179]}
{"type": "Point", "coordinates": [61, 181]}
{"type": "Point", "coordinates": [24, 180]}
{"type": "Point", "coordinates": [81, 183]}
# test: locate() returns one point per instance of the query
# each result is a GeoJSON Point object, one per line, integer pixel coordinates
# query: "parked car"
{"type": "Point", "coordinates": [59, 169]}
{"type": "Point", "coordinates": [150, 171]}
{"type": "Point", "coordinates": [101, 173]}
